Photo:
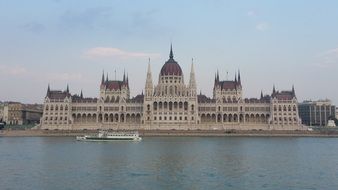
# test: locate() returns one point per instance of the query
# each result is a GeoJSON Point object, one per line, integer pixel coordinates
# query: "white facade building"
{"type": "Point", "coordinates": [170, 104]}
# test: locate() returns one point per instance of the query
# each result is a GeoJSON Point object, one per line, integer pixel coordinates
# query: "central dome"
{"type": "Point", "coordinates": [171, 67]}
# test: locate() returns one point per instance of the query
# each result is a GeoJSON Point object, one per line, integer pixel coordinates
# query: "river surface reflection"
{"type": "Point", "coordinates": [169, 163]}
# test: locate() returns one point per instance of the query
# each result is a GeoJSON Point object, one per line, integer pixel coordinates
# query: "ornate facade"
{"type": "Point", "coordinates": [170, 104]}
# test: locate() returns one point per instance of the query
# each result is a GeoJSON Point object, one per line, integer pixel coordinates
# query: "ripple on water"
{"type": "Point", "coordinates": [169, 163]}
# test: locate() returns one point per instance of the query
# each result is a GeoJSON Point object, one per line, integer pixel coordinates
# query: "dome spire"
{"type": "Point", "coordinates": [171, 55]}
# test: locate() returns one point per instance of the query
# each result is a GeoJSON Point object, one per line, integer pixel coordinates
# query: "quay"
{"type": "Point", "coordinates": [175, 133]}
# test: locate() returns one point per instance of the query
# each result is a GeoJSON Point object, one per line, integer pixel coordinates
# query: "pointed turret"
{"type": "Point", "coordinates": [48, 90]}
{"type": "Point", "coordinates": [107, 78]}
{"type": "Point", "coordinates": [127, 80]}
{"type": "Point", "coordinates": [124, 76]}
{"type": "Point", "coordinates": [217, 76]}
{"type": "Point", "coordinates": [261, 94]}
{"type": "Point", "coordinates": [239, 78]}
{"type": "Point", "coordinates": [149, 82]}
{"type": "Point", "coordinates": [192, 82]}
{"type": "Point", "coordinates": [102, 80]}
{"type": "Point", "coordinates": [273, 90]}
{"type": "Point", "coordinates": [215, 83]}
{"type": "Point", "coordinates": [235, 78]}
{"type": "Point", "coordinates": [67, 90]}
{"type": "Point", "coordinates": [81, 94]}
{"type": "Point", "coordinates": [293, 90]}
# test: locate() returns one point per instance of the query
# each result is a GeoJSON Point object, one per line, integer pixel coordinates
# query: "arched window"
{"type": "Point", "coordinates": [185, 106]}
{"type": "Point", "coordinates": [155, 106]}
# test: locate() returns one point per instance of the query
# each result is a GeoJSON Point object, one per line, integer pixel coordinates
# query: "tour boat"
{"type": "Point", "coordinates": [111, 136]}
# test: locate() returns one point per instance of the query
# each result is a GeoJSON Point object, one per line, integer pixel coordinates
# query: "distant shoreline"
{"type": "Point", "coordinates": [174, 133]}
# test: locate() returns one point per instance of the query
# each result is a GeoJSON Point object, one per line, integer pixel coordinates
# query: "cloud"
{"type": "Point", "coordinates": [327, 58]}
{"type": "Point", "coordinates": [251, 13]}
{"type": "Point", "coordinates": [87, 19]}
{"type": "Point", "coordinates": [34, 27]}
{"type": "Point", "coordinates": [64, 76]}
{"type": "Point", "coordinates": [16, 70]}
{"type": "Point", "coordinates": [110, 52]}
{"type": "Point", "coordinates": [20, 71]}
{"type": "Point", "coordinates": [262, 26]}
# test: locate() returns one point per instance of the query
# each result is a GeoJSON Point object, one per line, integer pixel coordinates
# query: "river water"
{"type": "Point", "coordinates": [169, 163]}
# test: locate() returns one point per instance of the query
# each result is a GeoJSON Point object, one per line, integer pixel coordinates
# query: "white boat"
{"type": "Point", "coordinates": [111, 136]}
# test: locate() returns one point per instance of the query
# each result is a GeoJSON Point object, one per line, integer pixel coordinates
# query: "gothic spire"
{"type": "Point", "coordinates": [239, 77]}
{"type": "Point", "coordinates": [235, 77]}
{"type": "Point", "coordinates": [273, 90]}
{"type": "Point", "coordinates": [149, 82]}
{"type": "Point", "coordinates": [81, 94]}
{"type": "Point", "coordinates": [127, 80]}
{"type": "Point", "coordinates": [192, 82]}
{"type": "Point", "coordinates": [102, 80]}
{"type": "Point", "coordinates": [293, 90]}
{"type": "Point", "coordinates": [48, 90]}
{"type": "Point", "coordinates": [261, 94]}
{"type": "Point", "coordinates": [107, 78]}
{"type": "Point", "coordinates": [124, 75]}
{"type": "Point", "coordinates": [171, 55]}
{"type": "Point", "coordinates": [217, 76]}
{"type": "Point", "coordinates": [67, 90]}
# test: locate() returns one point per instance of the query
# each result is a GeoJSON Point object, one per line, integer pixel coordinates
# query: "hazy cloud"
{"type": "Point", "coordinates": [64, 76]}
{"type": "Point", "coordinates": [262, 26]}
{"type": "Point", "coordinates": [328, 58]}
{"type": "Point", "coordinates": [110, 52]}
{"type": "Point", "coordinates": [251, 13]}
{"type": "Point", "coordinates": [88, 18]}
{"type": "Point", "coordinates": [34, 27]}
{"type": "Point", "coordinates": [16, 70]}
{"type": "Point", "coordinates": [19, 70]}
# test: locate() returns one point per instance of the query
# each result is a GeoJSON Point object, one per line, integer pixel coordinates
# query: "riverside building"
{"type": "Point", "coordinates": [16, 113]}
{"type": "Point", "coordinates": [170, 104]}
{"type": "Point", "coordinates": [316, 113]}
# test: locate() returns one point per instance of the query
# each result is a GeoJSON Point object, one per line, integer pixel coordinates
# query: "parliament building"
{"type": "Point", "coordinates": [170, 104]}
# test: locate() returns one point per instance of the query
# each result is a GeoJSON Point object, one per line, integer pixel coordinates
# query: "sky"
{"type": "Point", "coordinates": [60, 42]}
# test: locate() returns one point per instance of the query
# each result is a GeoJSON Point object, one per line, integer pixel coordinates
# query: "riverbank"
{"type": "Point", "coordinates": [153, 133]}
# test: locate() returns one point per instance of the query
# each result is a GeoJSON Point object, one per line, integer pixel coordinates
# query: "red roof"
{"type": "Point", "coordinates": [283, 95]}
{"type": "Point", "coordinates": [204, 99]}
{"type": "Point", "coordinates": [171, 67]}
{"type": "Point", "coordinates": [57, 94]}
{"type": "Point", "coordinates": [115, 85]}
{"type": "Point", "coordinates": [228, 85]}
